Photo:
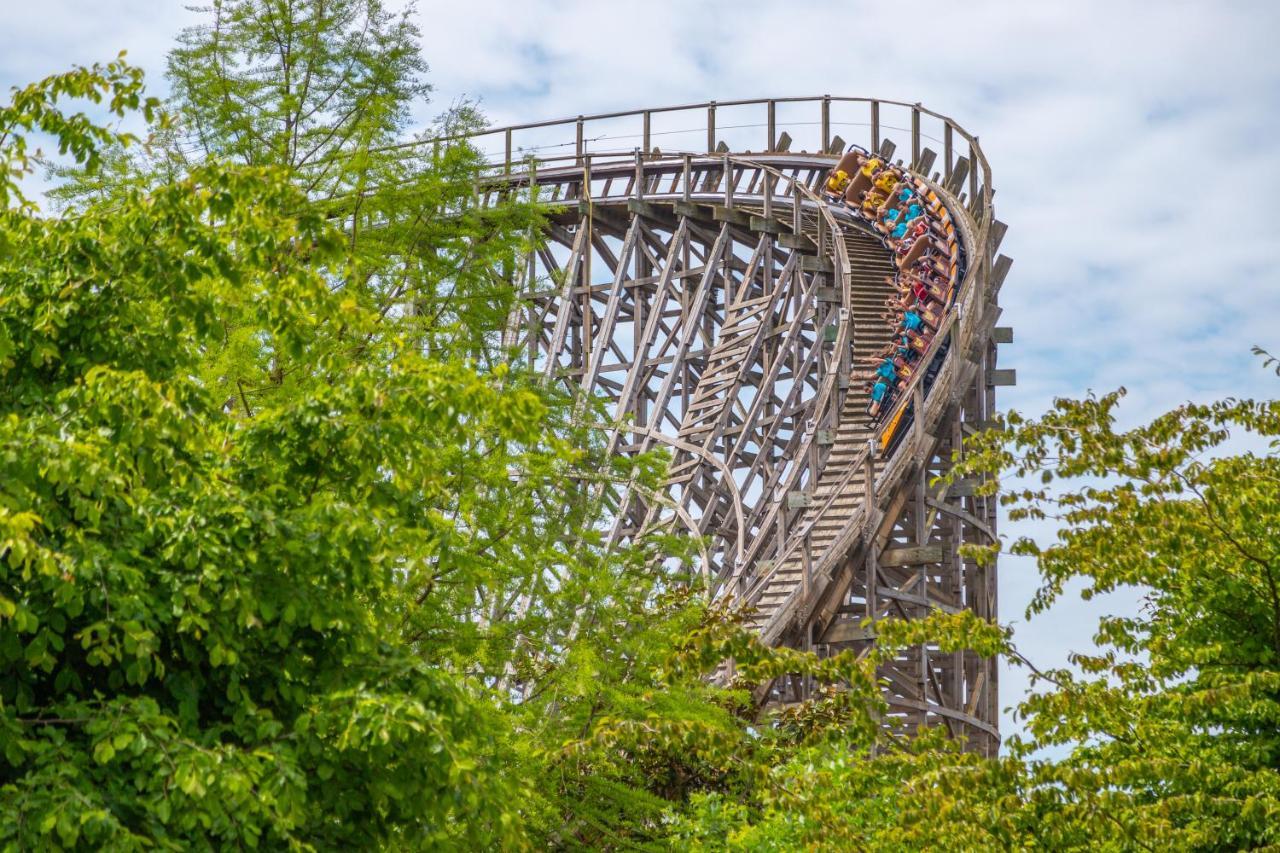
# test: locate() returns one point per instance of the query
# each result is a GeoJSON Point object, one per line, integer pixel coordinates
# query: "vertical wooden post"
{"type": "Point", "coordinates": [646, 147]}
{"type": "Point", "coordinates": [587, 331]}
{"type": "Point", "coordinates": [917, 401]}
{"type": "Point", "coordinates": [973, 174]}
{"type": "Point", "coordinates": [773, 126]}
{"type": "Point", "coordinates": [875, 127]}
{"type": "Point", "coordinates": [768, 195]}
{"type": "Point", "coordinates": [728, 183]}
{"type": "Point", "coordinates": [915, 137]}
{"type": "Point", "coordinates": [921, 538]}
{"type": "Point", "coordinates": [639, 187]}
{"type": "Point", "coordinates": [781, 523]}
{"type": "Point", "coordinates": [711, 127]}
{"type": "Point", "coordinates": [869, 471]}
{"type": "Point", "coordinates": [948, 152]}
{"type": "Point", "coordinates": [688, 176]}
{"type": "Point", "coordinates": [807, 564]}
{"type": "Point", "coordinates": [868, 520]}
{"type": "Point", "coordinates": [507, 162]}
{"type": "Point", "coordinates": [826, 123]}
{"type": "Point", "coordinates": [580, 144]}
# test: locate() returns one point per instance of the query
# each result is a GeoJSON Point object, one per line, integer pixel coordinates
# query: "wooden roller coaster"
{"type": "Point", "coordinates": [721, 301]}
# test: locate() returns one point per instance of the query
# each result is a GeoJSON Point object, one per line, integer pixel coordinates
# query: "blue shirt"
{"type": "Point", "coordinates": [912, 321]}
{"type": "Point", "coordinates": [912, 212]}
{"type": "Point", "coordinates": [878, 392]}
{"type": "Point", "coordinates": [887, 370]}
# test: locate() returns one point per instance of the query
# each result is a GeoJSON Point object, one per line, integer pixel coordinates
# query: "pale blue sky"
{"type": "Point", "coordinates": [1133, 147]}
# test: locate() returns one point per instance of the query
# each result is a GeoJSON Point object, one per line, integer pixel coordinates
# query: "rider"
{"type": "Point", "coordinates": [838, 182]}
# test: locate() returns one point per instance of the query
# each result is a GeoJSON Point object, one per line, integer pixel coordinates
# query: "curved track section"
{"type": "Point", "coordinates": [720, 303]}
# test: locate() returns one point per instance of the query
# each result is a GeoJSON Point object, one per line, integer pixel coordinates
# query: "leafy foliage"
{"type": "Point", "coordinates": [197, 613]}
{"type": "Point", "coordinates": [1173, 727]}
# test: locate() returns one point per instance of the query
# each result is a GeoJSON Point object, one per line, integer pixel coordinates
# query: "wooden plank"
{"type": "Point", "coordinates": [998, 271]}
{"type": "Point", "coordinates": [1002, 377]}
{"type": "Point", "coordinates": [847, 631]}
{"type": "Point", "coordinates": [720, 213]}
{"type": "Point", "coordinates": [770, 225]}
{"type": "Point", "coordinates": [797, 241]}
{"type": "Point", "coordinates": [1002, 334]}
{"type": "Point", "coordinates": [798, 500]}
{"type": "Point", "coordinates": [959, 172]}
{"type": "Point", "coordinates": [891, 594]}
{"type": "Point", "coordinates": [689, 208]}
{"type": "Point", "coordinates": [649, 209]}
{"type": "Point", "coordinates": [996, 235]}
{"type": "Point", "coordinates": [925, 163]}
{"type": "Point", "coordinates": [914, 555]}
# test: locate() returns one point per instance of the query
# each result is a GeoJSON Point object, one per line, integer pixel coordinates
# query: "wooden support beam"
{"type": "Point", "coordinates": [1002, 334]}
{"type": "Point", "coordinates": [913, 555]}
{"type": "Point", "coordinates": [802, 242]}
{"type": "Point", "coordinates": [1003, 377]}
{"type": "Point", "coordinates": [998, 271]}
{"type": "Point", "coordinates": [846, 631]}
{"type": "Point", "coordinates": [996, 237]}
{"type": "Point", "coordinates": [648, 208]}
{"type": "Point", "coordinates": [925, 163]}
{"type": "Point", "coordinates": [812, 263]}
{"type": "Point", "coordinates": [689, 208]}
{"type": "Point", "coordinates": [959, 172]}
{"type": "Point", "coordinates": [720, 213]}
{"type": "Point", "coordinates": [769, 224]}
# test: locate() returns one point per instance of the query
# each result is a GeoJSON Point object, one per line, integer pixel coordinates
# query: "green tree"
{"type": "Point", "coordinates": [325, 89]}
{"type": "Point", "coordinates": [1174, 727]}
{"type": "Point", "coordinates": [199, 614]}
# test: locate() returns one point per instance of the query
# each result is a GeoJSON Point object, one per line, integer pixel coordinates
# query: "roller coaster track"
{"type": "Point", "coordinates": [719, 303]}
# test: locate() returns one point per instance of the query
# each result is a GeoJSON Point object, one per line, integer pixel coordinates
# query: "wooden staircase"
{"type": "Point", "coordinates": [730, 358]}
